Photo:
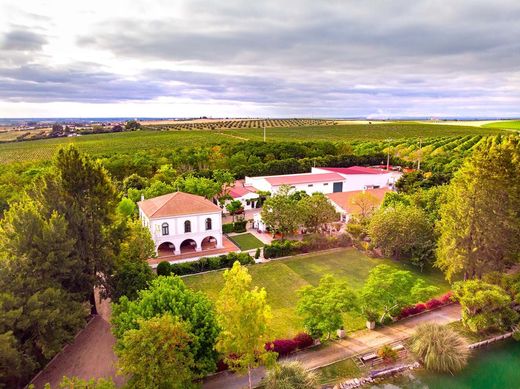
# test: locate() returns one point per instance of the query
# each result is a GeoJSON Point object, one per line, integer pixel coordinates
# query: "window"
{"type": "Point", "coordinates": [187, 226]}
{"type": "Point", "coordinates": [208, 224]}
{"type": "Point", "coordinates": [325, 184]}
{"type": "Point", "coordinates": [310, 185]}
{"type": "Point", "coordinates": [165, 229]}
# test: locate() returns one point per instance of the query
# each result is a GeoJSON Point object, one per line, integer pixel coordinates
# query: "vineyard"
{"type": "Point", "coordinates": [241, 124]}
{"type": "Point", "coordinates": [506, 124]}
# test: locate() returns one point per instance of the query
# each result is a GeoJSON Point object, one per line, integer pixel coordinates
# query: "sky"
{"type": "Point", "coordinates": [282, 58]}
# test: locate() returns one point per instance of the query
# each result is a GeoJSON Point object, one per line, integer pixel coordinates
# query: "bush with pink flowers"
{"type": "Point", "coordinates": [430, 304]}
{"type": "Point", "coordinates": [282, 346]}
{"type": "Point", "coordinates": [303, 340]}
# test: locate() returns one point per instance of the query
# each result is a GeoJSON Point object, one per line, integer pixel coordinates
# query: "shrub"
{"type": "Point", "coordinates": [282, 347]}
{"type": "Point", "coordinates": [446, 298]}
{"type": "Point", "coordinates": [227, 228]}
{"type": "Point", "coordinates": [387, 353]}
{"type": "Point", "coordinates": [211, 263]}
{"type": "Point", "coordinates": [420, 307]}
{"type": "Point", "coordinates": [433, 303]}
{"type": "Point", "coordinates": [303, 340]}
{"type": "Point", "coordinates": [240, 226]}
{"type": "Point", "coordinates": [290, 375]}
{"type": "Point", "coordinates": [257, 253]}
{"type": "Point", "coordinates": [164, 268]}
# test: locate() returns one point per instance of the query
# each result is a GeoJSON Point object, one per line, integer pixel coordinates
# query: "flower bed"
{"type": "Point", "coordinates": [427, 306]}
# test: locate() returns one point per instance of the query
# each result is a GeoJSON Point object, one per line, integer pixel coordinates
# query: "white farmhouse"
{"type": "Point", "coordinates": [360, 177]}
{"type": "Point", "coordinates": [323, 182]}
{"type": "Point", "coordinates": [182, 223]}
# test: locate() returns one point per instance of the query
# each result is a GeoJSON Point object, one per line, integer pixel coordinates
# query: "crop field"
{"type": "Point", "coordinates": [506, 125]}
{"type": "Point", "coordinates": [128, 142]}
{"type": "Point", "coordinates": [283, 278]}
{"type": "Point", "coordinates": [240, 124]}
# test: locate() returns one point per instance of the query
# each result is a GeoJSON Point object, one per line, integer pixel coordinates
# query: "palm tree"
{"type": "Point", "coordinates": [440, 348]}
{"type": "Point", "coordinates": [291, 375]}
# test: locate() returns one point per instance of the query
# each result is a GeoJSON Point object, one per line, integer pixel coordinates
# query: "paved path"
{"type": "Point", "coordinates": [345, 348]}
{"type": "Point", "coordinates": [90, 355]}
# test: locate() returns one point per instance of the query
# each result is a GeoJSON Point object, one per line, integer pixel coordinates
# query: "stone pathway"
{"type": "Point", "coordinates": [356, 343]}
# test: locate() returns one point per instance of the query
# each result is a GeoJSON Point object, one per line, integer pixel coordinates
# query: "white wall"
{"type": "Point", "coordinates": [323, 187]}
{"type": "Point", "coordinates": [244, 199]}
{"type": "Point", "coordinates": [176, 233]}
{"type": "Point", "coordinates": [362, 181]}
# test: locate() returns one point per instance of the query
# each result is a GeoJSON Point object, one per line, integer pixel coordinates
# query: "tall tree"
{"type": "Point", "coordinates": [322, 306]}
{"type": "Point", "coordinates": [244, 316]}
{"type": "Point", "coordinates": [158, 354]}
{"type": "Point", "coordinates": [480, 221]}
{"type": "Point", "coordinates": [316, 211]}
{"type": "Point", "coordinates": [169, 295]}
{"type": "Point", "coordinates": [366, 203]}
{"type": "Point", "coordinates": [81, 191]}
{"type": "Point", "coordinates": [280, 212]}
{"type": "Point", "coordinates": [387, 290]}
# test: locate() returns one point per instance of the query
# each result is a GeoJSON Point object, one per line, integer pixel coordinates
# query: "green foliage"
{"type": "Point", "coordinates": [280, 213]}
{"type": "Point", "coordinates": [163, 268]}
{"type": "Point", "coordinates": [484, 306]}
{"type": "Point", "coordinates": [132, 125]}
{"type": "Point", "coordinates": [200, 186]}
{"type": "Point", "coordinates": [291, 375]}
{"type": "Point", "coordinates": [234, 207]}
{"type": "Point", "coordinates": [206, 264]}
{"type": "Point", "coordinates": [78, 383]}
{"type": "Point", "coordinates": [316, 211]}
{"type": "Point", "coordinates": [387, 290]}
{"type": "Point", "coordinates": [440, 348]}
{"type": "Point", "coordinates": [403, 231]}
{"type": "Point", "coordinates": [322, 306]}
{"type": "Point", "coordinates": [169, 295]}
{"type": "Point", "coordinates": [159, 354]}
{"type": "Point", "coordinates": [480, 221]}
{"type": "Point", "coordinates": [387, 353]}
{"type": "Point", "coordinates": [243, 316]}
{"type": "Point", "coordinates": [227, 228]}
{"type": "Point", "coordinates": [257, 253]}
{"type": "Point", "coordinates": [126, 207]}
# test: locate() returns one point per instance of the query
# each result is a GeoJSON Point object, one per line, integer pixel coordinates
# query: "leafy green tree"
{"type": "Point", "coordinates": [484, 306]}
{"type": "Point", "coordinates": [366, 203]}
{"type": "Point", "coordinates": [126, 207]}
{"type": "Point", "coordinates": [132, 125]}
{"type": "Point", "coordinates": [233, 207]}
{"type": "Point", "coordinates": [322, 306]}
{"type": "Point", "coordinates": [440, 348]}
{"type": "Point", "coordinates": [280, 212]}
{"type": "Point", "coordinates": [13, 364]}
{"type": "Point", "coordinates": [291, 375]}
{"type": "Point", "coordinates": [387, 290]}
{"type": "Point", "coordinates": [244, 316]}
{"type": "Point", "coordinates": [158, 354]}
{"type": "Point", "coordinates": [78, 383]}
{"type": "Point", "coordinates": [170, 295]}
{"type": "Point", "coordinates": [135, 181]}
{"type": "Point", "coordinates": [316, 211]}
{"type": "Point", "coordinates": [480, 221]}
{"type": "Point", "coordinates": [403, 231]}
{"type": "Point", "coordinates": [132, 272]}
{"type": "Point", "coordinates": [201, 186]}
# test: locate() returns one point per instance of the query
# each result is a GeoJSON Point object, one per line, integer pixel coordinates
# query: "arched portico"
{"type": "Point", "coordinates": [189, 246]}
{"type": "Point", "coordinates": [209, 243]}
{"type": "Point", "coordinates": [165, 248]}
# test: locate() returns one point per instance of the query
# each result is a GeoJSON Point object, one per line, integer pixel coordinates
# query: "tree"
{"type": "Point", "coordinates": [81, 191]}
{"type": "Point", "coordinates": [484, 306]}
{"type": "Point", "coordinates": [291, 375]}
{"type": "Point", "coordinates": [387, 290]}
{"type": "Point", "coordinates": [200, 186]}
{"type": "Point", "coordinates": [57, 130]}
{"type": "Point", "coordinates": [440, 348]}
{"type": "Point", "coordinates": [126, 207]}
{"type": "Point", "coordinates": [322, 306]}
{"type": "Point", "coordinates": [132, 125]}
{"type": "Point", "coordinates": [403, 230]}
{"type": "Point", "coordinates": [244, 316]}
{"type": "Point", "coordinates": [280, 212]}
{"type": "Point", "coordinates": [78, 383]}
{"type": "Point", "coordinates": [170, 295]}
{"type": "Point", "coordinates": [233, 207]}
{"type": "Point", "coordinates": [366, 202]}
{"type": "Point", "coordinates": [316, 211]}
{"type": "Point", "coordinates": [158, 354]}
{"type": "Point", "coordinates": [132, 272]}
{"type": "Point", "coordinates": [480, 220]}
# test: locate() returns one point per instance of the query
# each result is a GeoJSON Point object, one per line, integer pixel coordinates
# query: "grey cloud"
{"type": "Point", "coordinates": [22, 40]}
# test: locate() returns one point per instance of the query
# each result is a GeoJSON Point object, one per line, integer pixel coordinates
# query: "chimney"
{"type": "Point", "coordinates": [142, 197]}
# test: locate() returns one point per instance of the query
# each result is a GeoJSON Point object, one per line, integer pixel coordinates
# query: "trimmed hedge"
{"type": "Point", "coordinates": [313, 242]}
{"type": "Point", "coordinates": [238, 226]}
{"type": "Point", "coordinates": [227, 228]}
{"type": "Point", "coordinates": [204, 264]}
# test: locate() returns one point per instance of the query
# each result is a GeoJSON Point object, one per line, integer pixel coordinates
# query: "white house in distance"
{"type": "Point", "coordinates": [182, 223]}
{"type": "Point", "coordinates": [346, 203]}
{"type": "Point", "coordinates": [246, 194]}
{"type": "Point", "coordinates": [360, 177]}
{"type": "Point", "coordinates": [323, 182]}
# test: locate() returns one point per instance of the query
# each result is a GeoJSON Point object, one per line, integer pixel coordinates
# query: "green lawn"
{"type": "Point", "coordinates": [505, 124]}
{"type": "Point", "coordinates": [246, 241]}
{"type": "Point", "coordinates": [282, 279]}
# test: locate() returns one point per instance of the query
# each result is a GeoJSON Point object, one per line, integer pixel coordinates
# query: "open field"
{"type": "Point", "coordinates": [128, 142]}
{"type": "Point", "coordinates": [282, 279]}
{"type": "Point", "coordinates": [506, 125]}
{"type": "Point", "coordinates": [246, 241]}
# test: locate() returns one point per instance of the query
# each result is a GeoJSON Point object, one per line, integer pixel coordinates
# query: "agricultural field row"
{"type": "Point", "coordinates": [129, 142]}
{"type": "Point", "coordinates": [241, 124]}
{"type": "Point", "coordinates": [506, 125]}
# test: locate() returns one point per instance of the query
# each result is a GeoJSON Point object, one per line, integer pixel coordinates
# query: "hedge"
{"type": "Point", "coordinates": [285, 347]}
{"type": "Point", "coordinates": [204, 264]}
{"type": "Point", "coordinates": [227, 228]}
{"type": "Point", "coordinates": [313, 242]}
{"type": "Point", "coordinates": [238, 226]}
{"type": "Point", "coordinates": [421, 307]}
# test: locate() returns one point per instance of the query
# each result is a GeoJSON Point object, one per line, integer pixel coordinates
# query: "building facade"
{"type": "Point", "coordinates": [181, 223]}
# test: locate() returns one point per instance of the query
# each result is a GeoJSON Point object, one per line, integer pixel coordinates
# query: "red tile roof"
{"type": "Point", "coordinates": [239, 190]}
{"type": "Point", "coordinates": [355, 170]}
{"type": "Point", "coordinates": [344, 200]}
{"type": "Point", "coordinates": [177, 204]}
{"type": "Point", "coordinates": [306, 178]}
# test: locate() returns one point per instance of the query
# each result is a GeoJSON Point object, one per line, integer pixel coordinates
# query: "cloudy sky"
{"type": "Point", "coordinates": [174, 58]}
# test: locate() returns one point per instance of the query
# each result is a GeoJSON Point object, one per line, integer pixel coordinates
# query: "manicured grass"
{"type": "Point", "coordinates": [246, 241]}
{"type": "Point", "coordinates": [338, 372]}
{"type": "Point", "coordinates": [283, 278]}
{"type": "Point", "coordinates": [506, 124]}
